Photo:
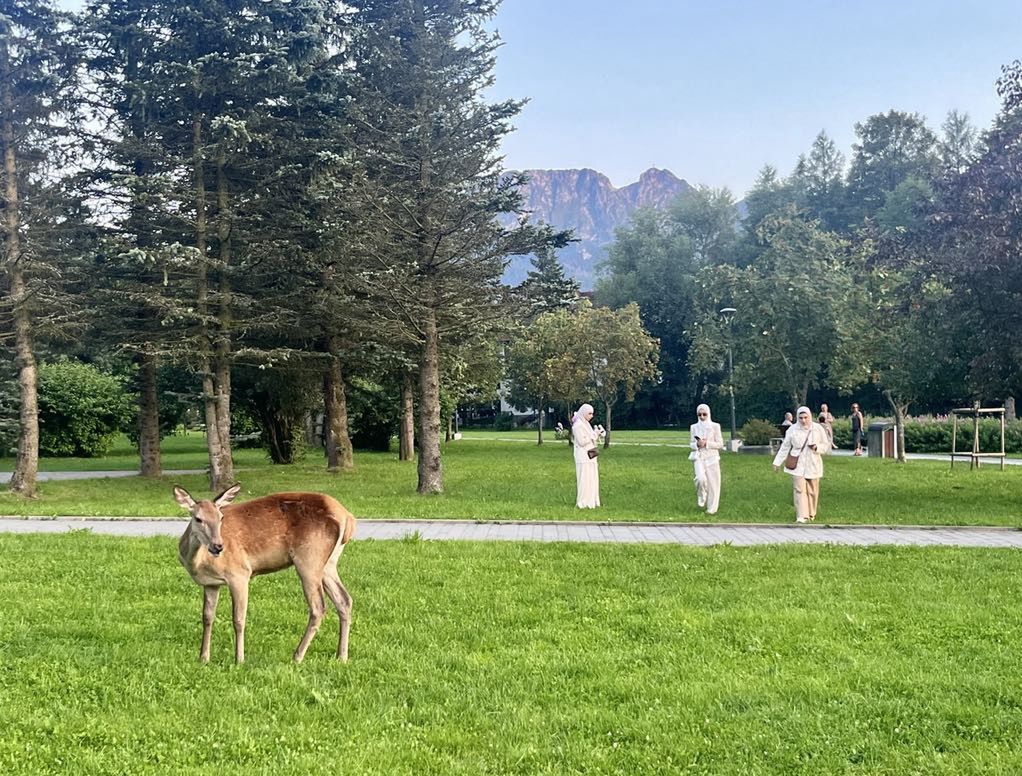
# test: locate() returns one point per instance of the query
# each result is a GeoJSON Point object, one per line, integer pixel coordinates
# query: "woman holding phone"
{"type": "Point", "coordinates": [706, 443]}
{"type": "Point", "coordinates": [800, 453]}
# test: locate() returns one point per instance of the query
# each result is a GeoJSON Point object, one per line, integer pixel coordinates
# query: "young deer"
{"type": "Point", "coordinates": [228, 545]}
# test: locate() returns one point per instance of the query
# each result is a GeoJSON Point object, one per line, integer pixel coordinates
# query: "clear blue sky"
{"type": "Point", "coordinates": [715, 89]}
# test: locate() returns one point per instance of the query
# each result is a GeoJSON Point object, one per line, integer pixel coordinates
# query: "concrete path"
{"type": "Point", "coordinates": [97, 475]}
{"type": "Point", "coordinates": [625, 533]}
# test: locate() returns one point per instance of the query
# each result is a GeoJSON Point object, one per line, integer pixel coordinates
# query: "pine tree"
{"type": "Point", "coordinates": [428, 149]}
{"type": "Point", "coordinates": [36, 75]}
{"type": "Point", "coordinates": [546, 287]}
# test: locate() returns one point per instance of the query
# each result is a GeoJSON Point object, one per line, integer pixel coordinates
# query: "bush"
{"type": "Point", "coordinates": [504, 421]}
{"type": "Point", "coordinates": [81, 409]}
{"type": "Point", "coordinates": [758, 432]}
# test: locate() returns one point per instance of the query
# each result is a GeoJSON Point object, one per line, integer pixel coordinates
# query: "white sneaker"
{"type": "Point", "coordinates": [801, 520]}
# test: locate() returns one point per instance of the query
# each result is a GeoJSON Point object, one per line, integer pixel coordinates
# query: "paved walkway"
{"type": "Point", "coordinates": [98, 475]}
{"type": "Point", "coordinates": [625, 533]}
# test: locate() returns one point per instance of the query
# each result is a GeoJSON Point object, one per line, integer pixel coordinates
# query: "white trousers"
{"type": "Point", "coordinates": [707, 477]}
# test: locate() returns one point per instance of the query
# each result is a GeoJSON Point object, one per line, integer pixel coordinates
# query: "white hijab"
{"type": "Point", "coordinates": [703, 425]}
{"type": "Point", "coordinates": [580, 415]}
{"type": "Point", "coordinates": [807, 411]}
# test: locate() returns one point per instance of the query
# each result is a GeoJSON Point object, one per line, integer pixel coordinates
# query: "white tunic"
{"type": "Point", "coordinates": [810, 464]}
{"type": "Point", "coordinates": [587, 470]}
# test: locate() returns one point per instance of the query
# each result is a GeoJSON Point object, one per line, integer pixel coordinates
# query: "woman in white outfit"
{"type": "Point", "coordinates": [706, 443]}
{"type": "Point", "coordinates": [587, 472]}
{"type": "Point", "coordinates": [808, 441]}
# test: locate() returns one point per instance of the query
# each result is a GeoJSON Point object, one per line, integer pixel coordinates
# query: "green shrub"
{"type": "Point", "coordinates": [504, 421]}
{"type": "Point", "coordinates": [758, 432]}
{"type": "Point", "coordinates": [934, 436]}
{"type": "Point", "coordinates": [81, 409]}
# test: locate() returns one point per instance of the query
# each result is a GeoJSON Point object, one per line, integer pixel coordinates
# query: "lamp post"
{"type": "Point", "coordinates": [728, 314]}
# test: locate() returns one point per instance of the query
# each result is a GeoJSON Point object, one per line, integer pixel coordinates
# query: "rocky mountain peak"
{"type": "Point", "coordinates": [586, 201]}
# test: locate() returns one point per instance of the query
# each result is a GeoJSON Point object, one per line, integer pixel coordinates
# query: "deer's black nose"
{"type": "Point", "coordinates": [215, 549]}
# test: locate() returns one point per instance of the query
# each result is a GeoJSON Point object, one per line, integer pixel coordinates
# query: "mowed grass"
{"type": "Point", "coordinates": [488, 479]}
{"type": "Point", "coordinates": [519, 659]}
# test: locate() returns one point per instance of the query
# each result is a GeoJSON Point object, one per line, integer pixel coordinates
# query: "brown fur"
{"type": "Point", "coordinates": [306, 530]}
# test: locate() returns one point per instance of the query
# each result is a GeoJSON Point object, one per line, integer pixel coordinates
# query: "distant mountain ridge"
{"type": "Point", "coordinates": [587, 202]}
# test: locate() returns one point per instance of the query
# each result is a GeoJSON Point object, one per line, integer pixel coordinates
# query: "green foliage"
{"type": "Point", "coordinates": [9, 403]}
{"type": "Point", "coordinates": [934, 436]}
{"type": "Point", "coordinates": [81, 409]}
{"type": "Point", "coordinates": [758, 432]}
{"type": "Point", "coordinates": [504, 421]}
{"type": "Point", "coordinates": [372, 415]}
{"type": "Point", "coordinates": [798, 318]}
{"type": "Point", "coordinates": [280, 398]}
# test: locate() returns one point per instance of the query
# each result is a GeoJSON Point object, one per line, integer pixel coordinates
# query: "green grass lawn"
{"type": "Point", "coordinates": [491, 479]}
{"type": "Point", "coordinates": [519, 659]}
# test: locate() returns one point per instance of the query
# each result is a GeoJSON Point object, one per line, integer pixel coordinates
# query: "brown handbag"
{"type": "Point", "coordinates": [792, 460]}
{"type": "Point", "coordinates": [592, 452]}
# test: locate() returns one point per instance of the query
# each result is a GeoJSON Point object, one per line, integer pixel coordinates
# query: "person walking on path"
{"type": "Point", "coordinates": [858, 424]}
{"type": "Point", "coordinates": [584, 439]}
{"type": "Point", "coordinates": [800, 453]}
{"type": "Point", "coordinates": [706, 443]}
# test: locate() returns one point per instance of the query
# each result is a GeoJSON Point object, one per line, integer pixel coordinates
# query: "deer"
{"type": "Point", "coordinates": [227, 544]}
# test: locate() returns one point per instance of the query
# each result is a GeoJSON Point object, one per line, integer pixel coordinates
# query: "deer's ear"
{"type": "Point", "coordinates": [227, 496]}
{"type": "Point", "coordinates": [181, 497]}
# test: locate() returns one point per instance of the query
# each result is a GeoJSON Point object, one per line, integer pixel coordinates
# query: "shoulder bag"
{"type": "Point", "coordinates": [792, 460]}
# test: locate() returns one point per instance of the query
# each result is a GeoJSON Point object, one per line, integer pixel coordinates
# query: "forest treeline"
{"type": "Point", "coordinates": [278, 207]}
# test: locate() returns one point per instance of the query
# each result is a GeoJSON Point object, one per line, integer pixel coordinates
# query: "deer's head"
{"type": "Point", "coordinates": [206, 516]}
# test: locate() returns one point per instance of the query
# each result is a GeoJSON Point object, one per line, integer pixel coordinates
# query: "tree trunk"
{"type": "Point", "coordinates": [149, 419]}
{"type": "Point", "coordinates": [338, 442]}
{"type": "Point", "coordinates": [406, 438]}
{"type": "Point", "coordinates": [542, 414]}
{"type": "Point", "coordinates": [431, 473]}
{"type": "Point", "coordinates": [215, 372]}
{"type": "Point", "coordinates": [1009, 409]}
{"type": "Point", "coordinates": [900, 409]}
{"type": "Point", "coordinates": [23, 481]}
{"type": "Point", "coordinates": [449, 429]}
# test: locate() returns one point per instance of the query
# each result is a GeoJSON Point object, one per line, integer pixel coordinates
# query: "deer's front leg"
{"type": "Point", "coordinates": [239, 608]}
{"type": "Point", "coordinates": [210, 597]}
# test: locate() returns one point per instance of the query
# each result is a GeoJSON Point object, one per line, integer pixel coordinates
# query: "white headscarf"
{"type": "Point", "coordinates": [580, 414]}
{"type": "Point", "coordinates": [807, 411]}
{"type": "Point", "coordinates": [703, 425]}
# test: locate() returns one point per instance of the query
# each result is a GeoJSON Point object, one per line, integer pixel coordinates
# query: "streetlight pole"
{"type": "Point", "coordinates": [729, 316]}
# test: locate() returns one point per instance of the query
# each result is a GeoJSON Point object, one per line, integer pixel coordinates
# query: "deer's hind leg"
{"type": "Point", "coordinates": [312, 585]}
{"type": "Point", "coordinates": [342, 602]}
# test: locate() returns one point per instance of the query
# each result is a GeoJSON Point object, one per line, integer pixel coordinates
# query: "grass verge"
{"type": "Point", "coordinates": [525, 659]}
{"type": "Point", "coordinates": [489, 479]}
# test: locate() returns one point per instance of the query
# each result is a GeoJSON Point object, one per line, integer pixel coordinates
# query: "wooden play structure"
{"type": "Point", "coordinates": [975, 412]}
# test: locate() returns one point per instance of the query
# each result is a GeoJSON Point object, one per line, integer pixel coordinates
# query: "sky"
{"type": "Point", "coordinates": [714, 89]}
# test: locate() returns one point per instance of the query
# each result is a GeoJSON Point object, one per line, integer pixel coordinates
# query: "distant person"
{"type": "Point", "coordinates": [585, 438]}
{"type": "Point", "coordinates": [827, 421]}
{"type": "Point", "coordinates": [800, 453]}
{"type": "Point", "coordinates": [789, 419]}
{"type": "Point", "coordinates": [706, 443]}
{"type": "Point", "coordinates": [858, 424]}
